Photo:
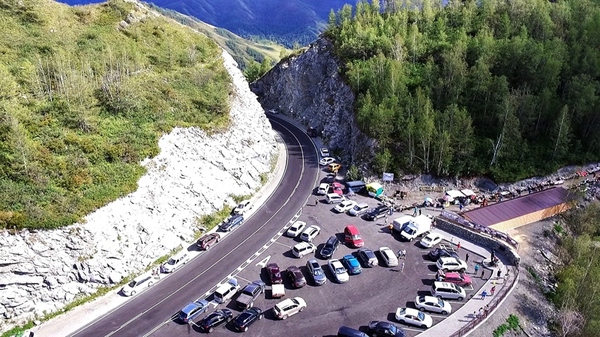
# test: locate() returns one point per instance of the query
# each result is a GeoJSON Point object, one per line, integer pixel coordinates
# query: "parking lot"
{"type": "Point", "coordinates": [375, 294]}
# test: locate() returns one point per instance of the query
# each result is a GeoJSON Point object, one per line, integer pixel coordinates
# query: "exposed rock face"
{"type": "Point", "coordinates": [310, 89]}
{"type": "Point", "coordinates": [194, 174]}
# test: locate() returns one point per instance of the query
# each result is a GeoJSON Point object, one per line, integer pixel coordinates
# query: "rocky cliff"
{"type": "Point", "coordinates": [309, 88]}
{"type": "Point", "coordinates": [194, 174]}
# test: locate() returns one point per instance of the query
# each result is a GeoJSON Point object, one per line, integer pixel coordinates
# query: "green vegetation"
{"type": "Point", "coordinates": [507, 89]}
{"type": "Point", "coordinates": [83, 99]}
{"type": "Point", "coordinates": [577, 295]}
{"type": "Point", "coordinates": [512, 324]}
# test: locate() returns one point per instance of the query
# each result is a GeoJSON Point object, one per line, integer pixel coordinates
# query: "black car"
{"type": "Point", "coordinates": [381, 328]}
{"type": "Point", "coordinates": [377, 212]}
{"type": "Point", "coordinates": [295, 274]}
{"type": "Point", "coordinates": [215, 319]}
{"type": "Point", "coordinates": [234, 221]}
{"type": "Point", "coordinates": [247, 318]}
{"type": "Point", "coordinates": [330, 247]}
{"type": "Point", "coordinates": [435, 254]}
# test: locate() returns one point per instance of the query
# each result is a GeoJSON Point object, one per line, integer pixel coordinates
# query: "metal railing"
{"type": "Point", "coordinates": [458, 220]}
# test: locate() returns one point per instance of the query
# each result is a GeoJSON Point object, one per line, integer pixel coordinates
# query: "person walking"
{"type": "Point", "coordinates": [476, 268]}
{"type": "Point", "coordinates": [483, 294]}
{"type": "Point", "coordinates": [486, 309]}
{"type": "Point", "coordinates": [458, 246]}
{"type": "Point", "coordinates": [467, 258]}
{"type": "Point", "coordinates": [492, 290]}
{"type": "Point", "coordinates": [498, 273]}
{"type": "Point", "coordinates": [482, 273]}
{"type": "Point", "coordinates": [316, 201]}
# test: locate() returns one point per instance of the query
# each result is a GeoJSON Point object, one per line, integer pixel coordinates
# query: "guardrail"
{"type": "Point", "coordinates": [458, 220]}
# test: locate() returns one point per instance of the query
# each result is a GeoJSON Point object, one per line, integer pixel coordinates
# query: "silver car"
{"type": "Point", "coordinates": [316, 272]}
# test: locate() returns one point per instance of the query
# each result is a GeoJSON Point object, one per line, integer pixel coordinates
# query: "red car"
{"type": "Point", "coordinates": [337, 188]}
{"type": "Point", "coordinates": [457, 278]}
{"type": "Point", "coordinates": [274, 273]}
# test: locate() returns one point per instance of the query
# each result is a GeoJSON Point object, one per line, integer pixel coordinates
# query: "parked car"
{"type": "Point", "coordinates": [339, 272]}
{"type": "Point", "coordinates": [352, 237]}
{"type": "Point", "coordinates": [175, 262]}
{"type": "Point", "coordinates": [214, 319]}
{"type": "Point", "coordinates": [208, 240]}
{"type": "Point", "coordinates": [451, 264]}
{"type": "Point", "coordinates": [243, 321]}
{"type": "Point", "coordinates": [436, 253]}
{"type": "Point", "coordinates": [367, 257]}
{"type": "Point", "coordinates": [324, 152]}
{"type": "Point", "coordinates": [333, 198]}
{"type": "Point", "coordinates": [388, 257]}
{"type": "Point", "coordinates": [242, 207]}
{"type": "Point", "coordinates": [458, 278]}
{"type": "Point", "coordinates": [274, 273]}
{"type": "Point", "coordinates": [249, 293]}
{"type": "Point", "coordinates": [296, 228]}
{"type": "Point", "coordinates": [326, 161]}
{"type": "Point", "coordinates": [296, 276]}
{"type": "Point", "coordinates": [382, 328]}
{"type": "Point", "coordinates": [359, 209]}
{"type": "Point", "coordinates": [431, 239]}
{"type": "Point", "coordinates": [345, 206]}
{"type": "Point", "coordinates": [433, 304]}
{"type": "Point", "coordinates": [352, 264]}
{"type": "Point", "coordinates": [330, 247]}
{"type": "Point", "coordinates": [137, 284]}
{"type": "Point", "coordinates": [310, 233]}
{"type": "Point", "coordinates": [226, 291]}
{"type": "Point", "coordinates": [334, 167]}
{"type": "Point", "coordinates": [377, 212]}
{"type": "Point", "coordinates": [337, 188]}
{"type": "Point", "coordinates": [303, 248]}
{"type": "Point", "coordinates": [230, 224]}
{"type": "Point", "coordinates": [413, 317]}
{"type": "Point", "coordinates": [193, 310]}
{"type": "Point", "coordinates": [316, 272]}
{"type": "Point", "coordinates": [448, 290]}
{"type": "Point", "coordinates": [289, 307]}
{"type": "Point", "coordinates": [323, 189]}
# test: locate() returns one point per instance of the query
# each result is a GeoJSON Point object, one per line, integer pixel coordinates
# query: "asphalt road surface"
{"type": "Point", "coordinates": [152, 309]}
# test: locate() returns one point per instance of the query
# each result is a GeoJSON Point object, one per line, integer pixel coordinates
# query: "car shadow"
{"type": "Point", "coordinates": [289, 254]}
{"type": "Point", "coordinates": [270, 315]}
{"type": "Point", "coordinates": [391, 317]}
{"type": "Point", "coordinates": [427, 281]}
{"type": "Point", "coordinates": [423, 293]}
{"type": "Point", "coordinates": [432, 267]}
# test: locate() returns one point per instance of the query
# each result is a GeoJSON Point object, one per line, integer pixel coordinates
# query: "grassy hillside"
{"type": "Point", "coordinates": [85, 96]}
{"type": "Point", "coordinates": [243, 51]}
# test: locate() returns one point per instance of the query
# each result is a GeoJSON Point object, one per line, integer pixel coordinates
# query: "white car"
{"type": "Point", "coordinates": [431, 239]}
{"type": "Point", "coordinates": [242, 207]}
{"type": "Point", "coordinates": [310, 233]}
{"type": "Point", "coordinates": [303, 248]}
{"type": "Point", "coordinates": [226, 291]}
{"type": "Point", "coordinates": [333, 198]}
{"type": "Point", "coordinates": [295, 229]}
{"type": "Point", "coordinates": [345, 206]}
{"type": "Point", "coordinates": [413, 317]}
{"type": "Point", "coordinates": [451, 264]}
{"type": "Point", "coordinates": [289, 307]}
{"type": "Point", "coordinates": [175, 262]}
{"type": "Point", "coordinates": [433, 304]}
{"type": "Point", "coordinates": [388, 256]}
{"type": "Point", "coordinates": [137, 284]}
{"type": "Point", "coordinates": [339, 272]}
{"type": "Point", "coordinates": [326, 161]}
{"type": "Point", "coordinates": [324, 152]}
{"type": "Point", "coordinates": [359, 209]}
{"type": "Point", "coordinates": [323, 189]}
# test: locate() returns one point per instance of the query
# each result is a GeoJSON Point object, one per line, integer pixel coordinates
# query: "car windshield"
{"type": "Point", "coordinates": [171, 262]}
{"type": "Point", "coordinates": [393, 329]}
{"type": "Point", "coordinates": [421, 316]}
{"type": "Point", "coordinates": [340, 270]}
{"type": "Point", "coordinates": [440, 303]}
{"type": "Point", "coordinates": [318, 272]}
{"type": "Point", "coordinates": [355, 237]}
{"type": "Point", "coordinates": [132, 283]}
{"type": "Point", "coordinates": [427, 239]}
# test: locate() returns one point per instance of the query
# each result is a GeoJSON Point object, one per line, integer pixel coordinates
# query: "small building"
{"type": "Point", "coordinates": [521, 211]}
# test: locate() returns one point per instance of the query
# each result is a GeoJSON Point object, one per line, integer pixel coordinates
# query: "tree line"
{"type": "Point", "coordinates": [502, 88]}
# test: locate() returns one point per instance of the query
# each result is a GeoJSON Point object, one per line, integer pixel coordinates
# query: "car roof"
{"type": "Point", "coordinates": [428, 298]}
{"type": "Point", "coordinates": [448, 259]}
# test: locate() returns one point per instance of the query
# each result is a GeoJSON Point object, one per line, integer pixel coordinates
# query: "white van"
{"type": "Point", "coordinates": [447, 290]}
{"type": "Point", "coordinates": [333, 198]}
{"type": "Point", "coordinates": [175, 262]}
{"type": "Point", "coordinates": [226, 291]}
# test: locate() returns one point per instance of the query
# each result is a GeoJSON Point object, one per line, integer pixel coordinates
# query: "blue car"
{"type": "Point", "coordinates": [352, 264]}
{"type": "Point", "coordinates": [234, 221]}
{"type": "Point", "coordinates": [193, 310]}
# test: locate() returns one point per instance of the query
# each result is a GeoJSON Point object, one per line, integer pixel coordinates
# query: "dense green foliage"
{"type": "Point", "coordinates": [83, 100]}
{"type": "Point", "coordinates": [506, 88]}
{"type": "Point", "coordinates": [577, 295]}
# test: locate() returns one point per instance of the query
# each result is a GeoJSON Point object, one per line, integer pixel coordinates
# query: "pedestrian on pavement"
{"type": "Point", "coordinates": [476, 268]}
{"type": "Point", "coordinates": [498, 273]}
{"type": "Point", "coordinates": [420, 212]}
{"type": "Point", "coordinates": [467, 258]}
{"type": "Point", "coordinates": [458, 246]}
{"type": "Point", "coordinates": [316, 201]}
{"type": "Point", "coordinates": [483, 295]}
{"type": "Point", "coordinates": [486, 309]}
{"type": "Point", "coordinates": [480, 312]}
{"type": "Point", "coordinates": [492, 290]}
{"type": "Point", "coordinates": [482, 273]}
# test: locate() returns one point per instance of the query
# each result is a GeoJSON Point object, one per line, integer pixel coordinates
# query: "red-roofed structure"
{"type": "Point", "coordinates": [520, 211]}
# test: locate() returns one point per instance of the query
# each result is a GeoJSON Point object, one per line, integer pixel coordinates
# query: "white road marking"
{"type": "Point", "coordinates": [263, 263]}
{"type": "Point", "coordinates": [279, 243]}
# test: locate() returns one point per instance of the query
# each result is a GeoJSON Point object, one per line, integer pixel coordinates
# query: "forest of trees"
{"type": "Point", "coordinates": [508, 89]}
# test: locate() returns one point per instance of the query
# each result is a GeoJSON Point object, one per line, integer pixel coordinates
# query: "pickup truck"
{"type": "Point", "coordinates": [250, 292]}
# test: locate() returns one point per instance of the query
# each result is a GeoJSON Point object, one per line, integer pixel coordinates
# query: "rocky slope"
{"type": "Point", "coordinates": [308, 88]}
{"type": "Point", "coordinates": [194, 174]}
